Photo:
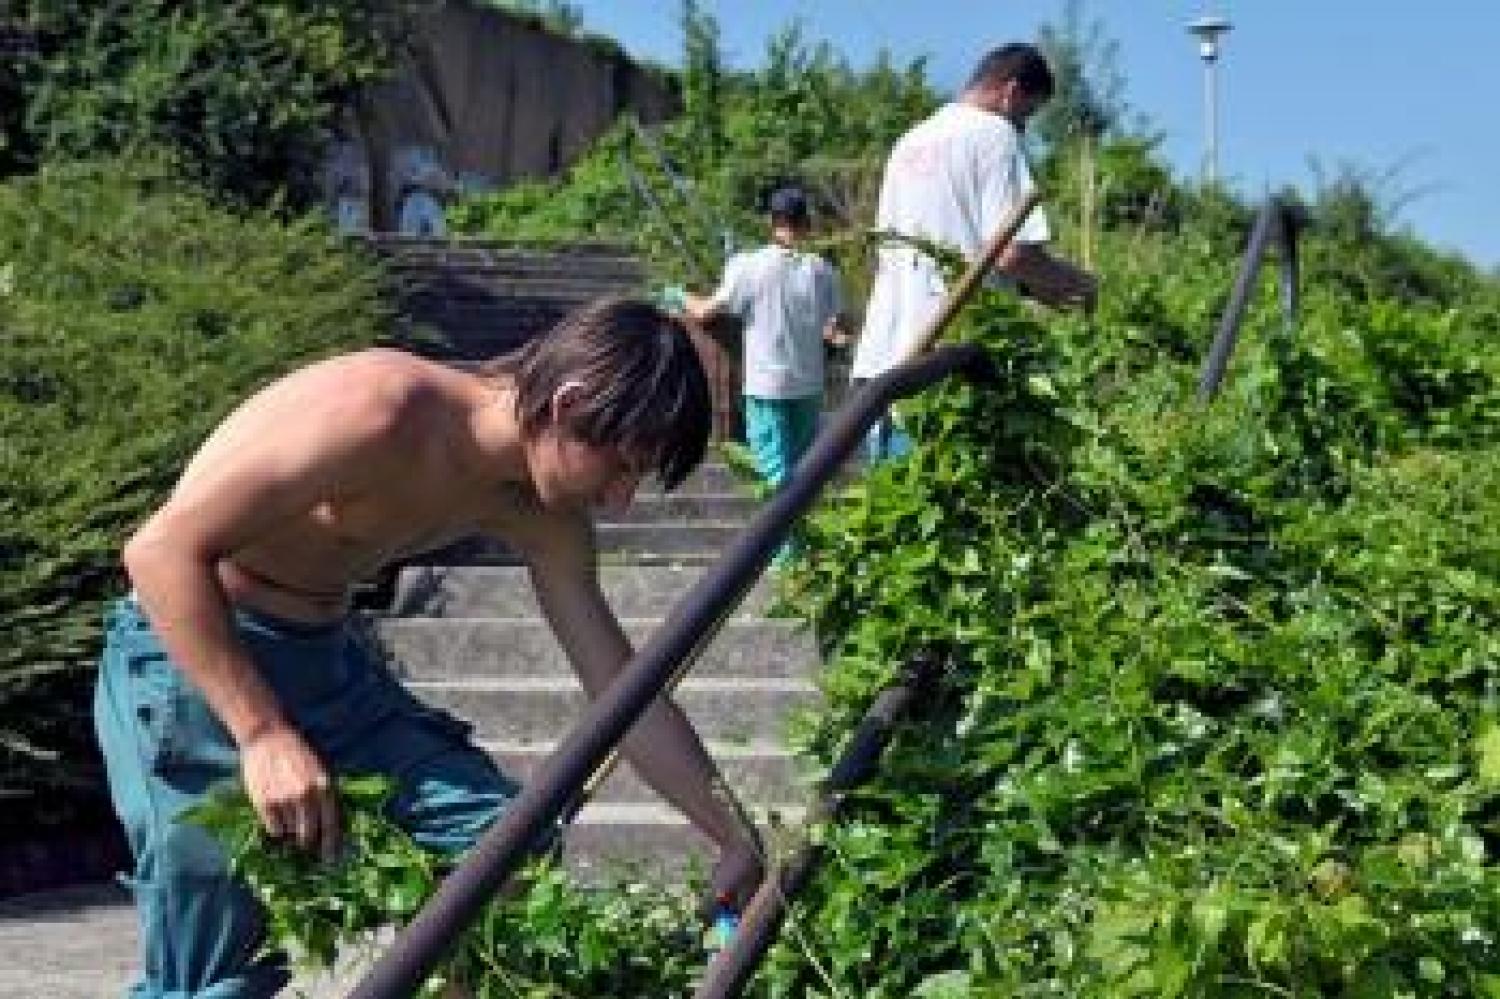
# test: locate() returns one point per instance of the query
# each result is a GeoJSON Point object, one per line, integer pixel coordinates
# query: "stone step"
{"type": "Point", "coordinates": [633, 591]}
{"type": "Point", "coordinates": [755, 772]}
{"type": "Point", "coordinates": [77, 943]}
{"type": "Point", "coordinates": [459, 252]}
{"type": "Point", "coordinates": [524, 275]}
{"type": "Point", "coordinates": [689, 542]}
{"type": "Point", "coordinates": [651, 842]}
{"type": "Point", "coordinates": [439, 288]}
{"type": "Point", "coordinates": [454, 650]}
{"type": "Point", "coordinates": [537, 709]}
{"type": "Point", "coordinates": [655, 507]}
{"type": "Point", "coordinates": [667, 538]}
{"type": "Point", "coordinates": [711, 478]}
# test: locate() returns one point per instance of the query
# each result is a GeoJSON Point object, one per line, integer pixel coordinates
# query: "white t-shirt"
{"type": "Point", "coordinates": [786, 298]}
{"type": "Point", "coordinates": [951, 179]}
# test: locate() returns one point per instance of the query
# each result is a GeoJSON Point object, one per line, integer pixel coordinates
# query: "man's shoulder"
{"type": "Point", "coordinates": [399, 374]}
{"type": "Point", "coordinates": [756, 255]}
{"type": "Point", "coordinates": [376, 388]}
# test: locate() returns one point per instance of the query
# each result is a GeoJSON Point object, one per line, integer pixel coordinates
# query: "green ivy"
{"type": "Point", "coordinates": [548, 940]}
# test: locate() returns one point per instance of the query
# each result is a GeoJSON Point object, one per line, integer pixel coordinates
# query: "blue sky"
{"type": "Point", "coordinates": [1400, 90]}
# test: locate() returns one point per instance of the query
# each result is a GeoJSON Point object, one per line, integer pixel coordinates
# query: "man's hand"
{"type": "Point", "coordinates": [738, 874]}
{"type": "Point", "coordinates": [291, 790]}
{"type": "Point", "coordinates": [836, 332]}
{"type": "Point", "coordinates": [1049, 279]}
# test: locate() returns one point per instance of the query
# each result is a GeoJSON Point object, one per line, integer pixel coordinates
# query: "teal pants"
{"type": "Point", "coordinates": [201, 930]}
{"type": "Point", "coordinates": [779, 432]}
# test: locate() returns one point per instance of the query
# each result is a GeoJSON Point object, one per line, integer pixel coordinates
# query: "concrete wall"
{"type": "Point", "coordinates": [485, 99]}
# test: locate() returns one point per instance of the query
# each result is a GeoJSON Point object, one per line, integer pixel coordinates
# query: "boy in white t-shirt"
{"type": "Point", "coordinates": [790, 302]}
{"type": "Point", "coordinates": [952, 179]}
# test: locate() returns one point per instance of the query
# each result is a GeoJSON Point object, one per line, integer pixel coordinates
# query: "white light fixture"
{"type": "Point", "coordinates": [1208, 30]}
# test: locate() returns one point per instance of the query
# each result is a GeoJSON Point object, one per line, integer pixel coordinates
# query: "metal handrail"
{"type": "Point", "coordinates": [733, 966]}
{"type": "Point", "coordinates": [684, 193]}
{"type": "Point", "coordinates": [524, 826]}
{"type": "Point", "coordinates": [1277, 223]}
{"type": "Point", "coordinates": [648, 198]}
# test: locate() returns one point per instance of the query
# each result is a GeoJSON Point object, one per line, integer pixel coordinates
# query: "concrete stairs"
{"type": "Point", "coordinates": [464, 300]}
{"type": "Point", "coordinates": [465, 634]}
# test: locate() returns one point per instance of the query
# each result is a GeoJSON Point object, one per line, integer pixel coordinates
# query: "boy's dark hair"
{"type": "Point", "coordinates": [643, 385]}
{"type": "Point", "coordinates": [1016, 61]}
{"type": "Point", "coordinates": [788, 206]}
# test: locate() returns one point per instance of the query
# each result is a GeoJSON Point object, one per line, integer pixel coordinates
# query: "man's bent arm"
{"type": "Point", "coordinates": [179, 591]}
{"type": "Point", "coordinates": [663, 747]}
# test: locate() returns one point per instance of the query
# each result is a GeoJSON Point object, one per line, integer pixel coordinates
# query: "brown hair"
{"type": "Point", "coordinates": [643, 385]}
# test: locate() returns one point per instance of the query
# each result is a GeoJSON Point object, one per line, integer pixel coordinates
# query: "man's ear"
{"type": "Point", "coordinates": [567, 396]}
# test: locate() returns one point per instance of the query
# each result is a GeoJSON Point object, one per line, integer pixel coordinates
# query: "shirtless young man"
{"type": "Point", "coordinates": [234, 654]}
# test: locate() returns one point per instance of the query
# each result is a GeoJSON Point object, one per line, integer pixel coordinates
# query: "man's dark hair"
{"type": "Point", "coordinates": [643, 384]}
{"type": "Point", "coordinates": [1016, 61]}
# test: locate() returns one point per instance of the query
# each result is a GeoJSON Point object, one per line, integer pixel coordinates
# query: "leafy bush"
{"type": "Point", "coordinates": [242, 95]}
{"type": "Point", "coordinates": [1231, 673]}
{"type": "Point", "coordinates": [132, 316]}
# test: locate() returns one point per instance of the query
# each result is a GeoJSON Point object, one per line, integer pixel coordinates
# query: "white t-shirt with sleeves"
{"type": "Point", "coordinates": [785, 297]}
{"type": "Point", "coordinates": [952, 179]}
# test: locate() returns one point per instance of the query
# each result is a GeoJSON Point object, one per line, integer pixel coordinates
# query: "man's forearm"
{"type": "Point", "coordinates": [187, 609]}
{"type": "Point", "coordinates": [670, 757]}
{"type": "Point", "coordinates": [1052, 281]}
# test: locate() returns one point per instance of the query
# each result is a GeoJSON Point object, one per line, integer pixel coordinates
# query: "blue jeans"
{"type": "Point", "coordinates": [201, 930]}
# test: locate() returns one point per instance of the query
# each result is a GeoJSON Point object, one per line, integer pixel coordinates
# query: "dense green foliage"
{"type": "Point", "coordinates": [133, 314]}
{"type": "Point", "coordinates": [1226, 722]}
{"type": "Point", "coordinates": [242, 95]}
{"type": "Point", "coordinates": [1227, 714]}
{"type": "Point", "coordinates": [551, 939]}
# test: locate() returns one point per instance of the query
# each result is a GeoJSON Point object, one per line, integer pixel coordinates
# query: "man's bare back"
{"type": "Point", "coordinates": [410, 485]}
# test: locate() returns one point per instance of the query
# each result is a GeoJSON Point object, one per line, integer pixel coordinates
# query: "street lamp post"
{"type": "Point", "coordinates": [1208, 30]}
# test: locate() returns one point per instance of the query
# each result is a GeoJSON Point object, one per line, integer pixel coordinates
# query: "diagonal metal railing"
{"type": "Point", "coordinates": [1277, 225]}
{"type": "Point", "coordinates": [732, 968]}
{"type": "Point", "coordinates": [681, 188]}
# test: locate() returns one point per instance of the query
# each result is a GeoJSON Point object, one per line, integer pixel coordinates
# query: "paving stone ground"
{"type": "Point", "coordinates": [73, 944]}
{"type": "Point", "coordinates": [80, 943]}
